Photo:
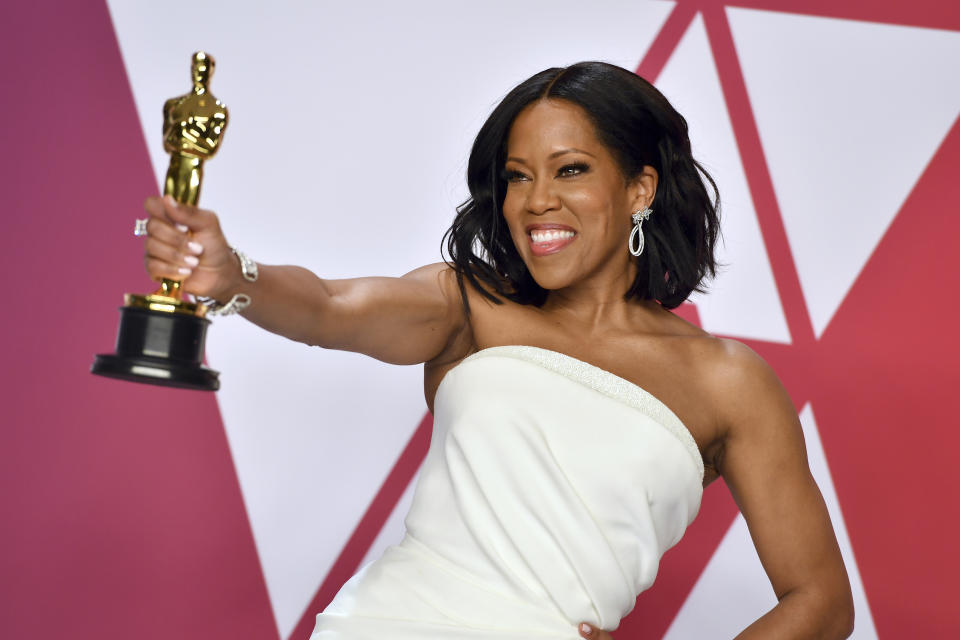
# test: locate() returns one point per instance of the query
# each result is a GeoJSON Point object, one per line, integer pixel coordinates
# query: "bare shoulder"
{"type": "Point", "coordinates": [446, 277]}
{"type": "Point", "coordinates": [740, 389]}
{"type": "Point", "coordinates": [722, 363]}
{"type": "Point", "coordinates": [733, 365]}
{"type": "Point", "coordinates": [440, 278]}
{"type": "Point", "coordinates": [752, 407]}
{"type": "Point", "coordinates": [438, 273]}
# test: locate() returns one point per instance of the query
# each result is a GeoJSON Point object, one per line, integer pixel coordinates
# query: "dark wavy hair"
{"type": "Point", "coordinates": [640, 128]}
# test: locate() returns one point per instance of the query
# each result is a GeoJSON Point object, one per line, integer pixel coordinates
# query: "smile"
{"type": "Point", "coordinates": [546, 241]}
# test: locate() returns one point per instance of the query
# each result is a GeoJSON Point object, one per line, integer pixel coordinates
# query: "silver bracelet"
{"type": "Point", "coordinates": [239, 301]}
{"type": "Point", "coordinates": [236, 304]}
{"type": "Point", "coordinates": [247, 266]}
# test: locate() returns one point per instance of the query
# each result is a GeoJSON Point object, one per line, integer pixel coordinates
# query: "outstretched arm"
{"type": "Point", "coordinates": [405, 320]}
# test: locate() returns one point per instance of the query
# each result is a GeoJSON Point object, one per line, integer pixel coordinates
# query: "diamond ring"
{"type": "Point", "coordinates": [141, 228]}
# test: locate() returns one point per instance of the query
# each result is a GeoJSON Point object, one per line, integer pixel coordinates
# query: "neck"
{"type": "Point", "coordinates": [598, 302]}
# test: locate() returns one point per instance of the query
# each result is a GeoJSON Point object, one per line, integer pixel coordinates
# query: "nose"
{"type": "Point", "coordinates": [542, 197]}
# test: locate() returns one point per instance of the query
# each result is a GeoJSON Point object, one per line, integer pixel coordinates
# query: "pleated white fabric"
{"type": "Point", "coordinates": [550, 491]}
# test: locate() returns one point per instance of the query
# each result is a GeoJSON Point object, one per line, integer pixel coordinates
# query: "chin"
{"type": "Point", "coordinates": [552, 278]}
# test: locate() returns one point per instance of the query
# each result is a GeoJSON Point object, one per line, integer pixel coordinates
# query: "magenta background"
{"type": "Point", "coordinates": [121, 513]}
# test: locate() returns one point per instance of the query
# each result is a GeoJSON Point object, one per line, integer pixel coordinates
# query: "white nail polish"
{"type": "Point", "coordinates": [192, 261]}
{"type": "Point", "coordinates": [184, 271]}
{"type": "Point", "coordinates": [182, 228]}
{"type": "Point", "coordinates": [195, 247]}
{"type": "Point", "coordinates": [584, 627]}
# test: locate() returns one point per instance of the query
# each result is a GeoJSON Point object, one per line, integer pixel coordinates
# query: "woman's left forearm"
{"type": "Point", "coordinates": [801, 615]}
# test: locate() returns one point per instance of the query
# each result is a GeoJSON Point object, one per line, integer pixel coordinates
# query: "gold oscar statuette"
{"type": "Point", "coordinates": [161, 335]}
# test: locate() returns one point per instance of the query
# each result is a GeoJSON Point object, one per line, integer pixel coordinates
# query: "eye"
{"type": "Point", "coordinates": [572, 169]}
{"type": "Point", "coordinates": [512, 175]}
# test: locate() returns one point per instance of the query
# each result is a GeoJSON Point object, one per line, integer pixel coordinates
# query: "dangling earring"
{"type": "Point", "coordinates": [638, 218]}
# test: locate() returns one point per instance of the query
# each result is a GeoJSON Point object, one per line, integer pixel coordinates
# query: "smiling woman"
{"type": "Point", "coordinates": [617, 124]}
{"type": "Point", "coordinates": [577, 419]}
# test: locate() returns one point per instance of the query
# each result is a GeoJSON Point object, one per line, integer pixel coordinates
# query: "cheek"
{"type": "Point", "coordinates": [511, 212]}
{"type": "Point", "coordinates": [596, 210]}
{"type": "Point", "coordinates": [593, 193]}
{"type": "Point", "coordinates": [511, 203]}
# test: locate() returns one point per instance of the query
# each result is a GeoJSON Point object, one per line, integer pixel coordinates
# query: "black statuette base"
{"type": "Point", "coordinates": [160, 348]}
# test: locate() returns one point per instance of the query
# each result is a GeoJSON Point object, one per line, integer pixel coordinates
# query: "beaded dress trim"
{"type": "Point", "coordinates": [602, 381]}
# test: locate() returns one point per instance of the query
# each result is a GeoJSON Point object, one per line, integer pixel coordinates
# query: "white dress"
{"type": "Point", "coordinates": [550, 491]}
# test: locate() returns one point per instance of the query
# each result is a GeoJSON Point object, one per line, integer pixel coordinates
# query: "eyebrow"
{"type": "Point", "coordinates": [554, 154]}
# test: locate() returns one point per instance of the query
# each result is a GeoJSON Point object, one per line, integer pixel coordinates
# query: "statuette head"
{"type": "Point", "coordinates": [202, 69]}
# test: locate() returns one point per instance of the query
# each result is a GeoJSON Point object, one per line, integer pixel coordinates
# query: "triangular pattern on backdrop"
{"type": "Point", "coordinates": [849, 115]}
{"type": "Point", "coordinates": [734, 581]}
{"type": "Point", "coordinates": [691, 83]}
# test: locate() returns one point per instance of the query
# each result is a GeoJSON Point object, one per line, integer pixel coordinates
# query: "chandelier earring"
{"type": "Point", "coordinates": [636, 236]}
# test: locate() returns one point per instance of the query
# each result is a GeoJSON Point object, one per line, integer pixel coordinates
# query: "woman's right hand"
{"type": "Point", "coordinates": [185, 244]}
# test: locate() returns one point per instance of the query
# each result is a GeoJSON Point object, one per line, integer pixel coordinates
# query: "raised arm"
{"type": "Point", "coordinates": [405, 320]}
{"type": "Point", "coordinates": [764, 463]}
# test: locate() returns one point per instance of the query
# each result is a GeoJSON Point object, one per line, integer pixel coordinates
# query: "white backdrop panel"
{"type": "Point", "coordinates": [849, 114]}
{"type": "Point", "coordinates": [690, 82]}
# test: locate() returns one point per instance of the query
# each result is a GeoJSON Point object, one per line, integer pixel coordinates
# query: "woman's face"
{"type": "Point", "coordinates": [568, 204]}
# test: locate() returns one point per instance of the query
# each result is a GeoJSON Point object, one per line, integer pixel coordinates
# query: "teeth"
{"type": "Point", "coordinates": [550, 235]}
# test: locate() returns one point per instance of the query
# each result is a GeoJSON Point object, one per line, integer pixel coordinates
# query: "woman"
{"type": "Point", "coordinates": [577, 419]}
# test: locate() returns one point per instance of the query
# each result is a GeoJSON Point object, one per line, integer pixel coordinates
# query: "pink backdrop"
{"type": "Point", "coordinates": [122, 510]}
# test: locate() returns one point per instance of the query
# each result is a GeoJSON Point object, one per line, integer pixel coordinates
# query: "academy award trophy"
{"type": "Point", "coordinates": [161, 335]}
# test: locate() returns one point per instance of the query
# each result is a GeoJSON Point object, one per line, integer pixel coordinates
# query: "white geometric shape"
{"type": "Point", "coordinates": [350, 127]}
{"type": "Point", "coordinates": [743, 300]}
{"type": "Point", "coordinates": [849, 114]}
{"type": "Point", "coordinates": [733, 589]}
{"type": "Point", "coordinates": [730, 594]}
{"type": "Point", "coordinates": [313, 435]}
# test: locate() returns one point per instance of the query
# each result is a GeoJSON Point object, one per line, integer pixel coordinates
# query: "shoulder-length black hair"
{"type": "Point", "coordinates": [640, 128]}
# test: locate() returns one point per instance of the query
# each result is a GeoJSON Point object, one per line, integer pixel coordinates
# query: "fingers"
{"type": "Point", "coordinates": [588, 631]}
{"type": "Point", "coordinates": [164, 231]}
{"type": "Point", "coordinates": [159, 269]}
{"type": "Point", "coordinates": [185, 243]}
{"type": "Point", "coordinates": [186, 216]}
{"type": "Point", "coordinates": [154, 206]}
{"type": "Point", "coordinates": [170, 251]}
{"type": "Point", "coordinates": [172, 255]}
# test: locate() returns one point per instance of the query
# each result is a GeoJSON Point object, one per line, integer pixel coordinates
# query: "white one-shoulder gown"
{"type": "Point", "coordinates": [550, 491]}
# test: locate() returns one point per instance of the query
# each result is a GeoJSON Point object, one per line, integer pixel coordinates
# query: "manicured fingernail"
{"type": "Point", "coordinates": [184, 271]}
{"type": "Point", "coordinates": [170, 200]}
{"type": "Point", "coordinates": [195, 247]}
{"type": "Point", "coordinates": [182, 228]}
{"type": "Point", "coordinates": [191, 260]}
{"type": "Point", "coordinates": [584, 627]}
